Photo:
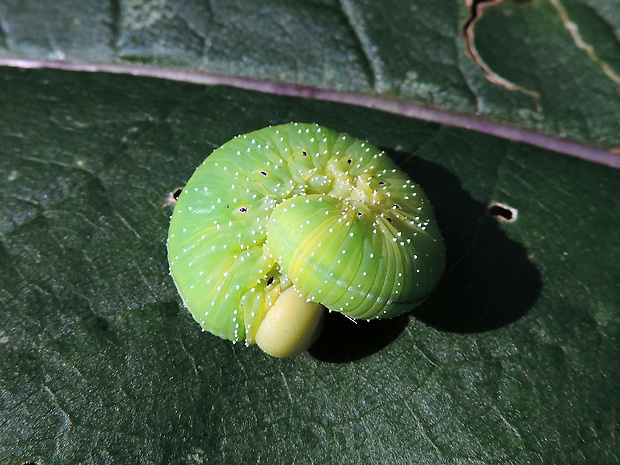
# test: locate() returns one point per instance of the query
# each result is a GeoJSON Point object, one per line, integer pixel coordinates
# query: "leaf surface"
{"type": "Point", "coordinates": [556, 62]}
{"type": "Point", "coordinates": [515, 358]}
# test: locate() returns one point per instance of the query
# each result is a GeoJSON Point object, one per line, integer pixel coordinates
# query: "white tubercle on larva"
{"type": "Point", "coordinates": [291, 325]}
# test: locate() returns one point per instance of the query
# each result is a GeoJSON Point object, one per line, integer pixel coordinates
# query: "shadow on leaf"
{"type": "Point", "coordinates": [344, 340]}
{"type": "Point", "coordinates": [489, 280]}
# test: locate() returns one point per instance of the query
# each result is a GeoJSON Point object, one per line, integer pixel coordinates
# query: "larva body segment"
{"type": "Point", "coordinates": [302, 205]}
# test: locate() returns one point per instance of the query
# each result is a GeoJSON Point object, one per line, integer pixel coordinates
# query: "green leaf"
{"type": "Point", "coordinates": [556, 62]}
{"type": "Point", "coordinates": [515, 358]}
{"type": "Point", "coordinates": [514, 361]}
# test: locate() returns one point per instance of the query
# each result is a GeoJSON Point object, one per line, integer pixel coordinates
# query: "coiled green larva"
{"type": "Point", "coordinates": [301, 206]}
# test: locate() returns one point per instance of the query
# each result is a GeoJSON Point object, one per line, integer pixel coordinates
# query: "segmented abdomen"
{"type": "Point", "coordinates": [299, 203]}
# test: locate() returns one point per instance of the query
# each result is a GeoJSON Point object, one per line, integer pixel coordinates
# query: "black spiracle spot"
{"type": "Point", "coordinates": [349, 161]}
{"type": "Point", "coordinates": [304, 153]}
{"type": "Point", "coordinates": [264, 173]}
{"type": "Point", "coordinates": [270, 281]}
{"type": "Point", "coordinates": [243, 210]}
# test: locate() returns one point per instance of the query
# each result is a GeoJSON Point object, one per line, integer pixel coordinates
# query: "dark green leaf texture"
{"type": "Point", "coordinates": [515, 359]}
{"type": "Point", "coordinates": [411, 50]}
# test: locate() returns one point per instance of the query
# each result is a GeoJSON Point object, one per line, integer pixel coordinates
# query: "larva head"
{"type": "Point", "coordinates": [301, 205]}
{"type": "Point", "coordinates": [291, 325]}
